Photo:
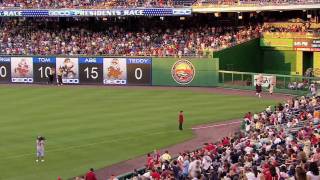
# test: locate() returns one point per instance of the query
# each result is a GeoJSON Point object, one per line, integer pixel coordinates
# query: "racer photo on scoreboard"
{"type": "Point", "coordinates": [70, 70]}
{"type": "Point", "coordinates": [115, 71]}
{"type": "Point", "coordinates": [21, 70]}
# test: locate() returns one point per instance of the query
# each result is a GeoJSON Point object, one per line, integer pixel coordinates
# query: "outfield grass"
{"type": "Point", "coordinates": [95, 127]}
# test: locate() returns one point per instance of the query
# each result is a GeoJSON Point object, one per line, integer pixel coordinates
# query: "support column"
{"type": "Point", "coordinates": [299, 63]}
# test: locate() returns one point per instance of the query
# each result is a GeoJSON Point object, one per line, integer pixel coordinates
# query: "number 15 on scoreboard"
{"type": "Point", "coordinates": [91, 70]}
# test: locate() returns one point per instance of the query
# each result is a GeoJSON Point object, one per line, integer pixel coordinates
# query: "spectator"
{"type": "Point", "coordinates": [91, 175]}
{"type": "Point", "coordinates": [165, 157]}
{"type": "Point", "coordinates": [313, 173]}
{"type": "Point", "coordinates": [301, 173]}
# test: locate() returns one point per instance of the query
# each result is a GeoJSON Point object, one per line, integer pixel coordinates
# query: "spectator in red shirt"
{"type": "Point", "coordinates": [155, 175]}
{"type": "Point", "coordinates": [91, 175]}
{"type": "Point", "coordinates": [181, 119]}
{"type": "Point", "coordinates": [150, 163]}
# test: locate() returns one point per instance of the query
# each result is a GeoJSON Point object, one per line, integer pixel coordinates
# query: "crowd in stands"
{"type": "Point", "coordinates": [19, 37]}
{"type": "Point", "coordinates": [294, 27]}
{"type": "Point", "coordinates": [93, 3]}
{"type": "Point", "coordinates": [81, 37]}
{"type": "Point", "coordinates": [280, 143]}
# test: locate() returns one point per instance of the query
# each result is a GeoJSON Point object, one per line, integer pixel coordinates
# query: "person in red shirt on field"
{"type": "Point", "coordinates": [91, 175]}
{"type": "Point", "coordinates": [181, 119]}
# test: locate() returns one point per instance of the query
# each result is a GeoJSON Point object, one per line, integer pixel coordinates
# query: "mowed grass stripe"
{"type": "Point", "coordinates": [95, 127]}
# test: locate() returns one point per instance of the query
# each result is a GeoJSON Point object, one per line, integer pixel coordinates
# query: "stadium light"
{"type": "Point", "coordinates": [217, 14]}
{"type": "Point", "coordinates": [309, 16]}
{"type": "Point", "coordinates": [162, 18]}
{"type": "Point", "coordinates": [182, 18]}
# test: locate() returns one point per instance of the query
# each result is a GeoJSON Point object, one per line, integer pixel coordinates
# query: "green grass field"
{"type": "Point", "coordinates": [94, 127]}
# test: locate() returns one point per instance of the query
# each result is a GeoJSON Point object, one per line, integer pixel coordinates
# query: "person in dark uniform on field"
{"type": "Point", "coordinates": [259, 85]}
{"type": "Point", "coordinates": [51, 76]}
{"type": "Point", "coordinates": [258, 90]}
{"type": "Point", "coordinates": [181, 119]}
{"type": "Point", "coordinates": [60, 73]}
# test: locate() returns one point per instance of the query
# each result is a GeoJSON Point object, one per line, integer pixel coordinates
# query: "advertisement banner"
{"type": "Point", "coordinates": [315, 43]}
{"type": "Point", "coordinates": [21, 70]}
{"type": "Point", "coordinates": [307, 44]}
{"type": "Point", "coordinates": [302, 43]}
{"type": "Point", "coordinates": [276, 42]}
{"type": "Point", "coordinates": [115, 71]}
{"type": "Point", "coordinates": [266, 80]}
{"type": "Point", "coordinates": [185, 72]}
{"type": "Point", "coordinates": [95, 12]}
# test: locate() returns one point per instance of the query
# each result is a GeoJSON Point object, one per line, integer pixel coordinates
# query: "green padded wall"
{"type": "Point", "coordinates": [245, 57]}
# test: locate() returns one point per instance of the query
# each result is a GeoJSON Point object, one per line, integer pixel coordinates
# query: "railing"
{"type": "Point", "coordinates": [289, 84]}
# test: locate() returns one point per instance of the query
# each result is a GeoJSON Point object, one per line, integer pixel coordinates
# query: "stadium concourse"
{"type": "Point", "coordinates": [282, 142]}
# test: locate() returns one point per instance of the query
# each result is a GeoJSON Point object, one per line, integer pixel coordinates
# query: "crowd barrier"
{"type": "Point", "coordinates": [288, 84]}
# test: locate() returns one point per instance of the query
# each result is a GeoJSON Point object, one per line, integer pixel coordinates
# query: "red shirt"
{"type": "Point", "coordinates": [90, 176]}
{"type": "Point", "coordinates": [150, 162]}
{"type": "Point", "coordinates": [181, 118]}
{"type": "Point", "coordinates": [155, 175]}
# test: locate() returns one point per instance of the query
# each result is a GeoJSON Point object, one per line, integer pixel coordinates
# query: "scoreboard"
{"type": "Point", "coordinates": [77, 70]}
{"type": "Point", "coordinates": [42, 67]}
{"type": "Point", "coordinates": [5, 70]}
{"type": "Point", "coordinates": [139, 71]}
{"type": "Point", "coordinates": [90, 70]}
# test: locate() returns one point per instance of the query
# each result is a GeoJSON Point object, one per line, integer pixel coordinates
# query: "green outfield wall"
{"type": "Point", "coordinates": [279, 61]}
{"type": "Point", "coordinates": [245, 57]}
{"type": "Point", "coordinates": [205, 72]}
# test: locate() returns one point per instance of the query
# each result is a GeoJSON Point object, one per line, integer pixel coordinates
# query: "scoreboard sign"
{"type": "Point", "coordinates": [42, 66]}
{"type": "Point", "coordinates": [70, 70]}
{"type": "Point", "coordinates": [21, 70]}
{"type": "Point", "coordinates": [139, 71]}
{"type": "Point", "coordinates": [77, 70]}
{"type": "Point", "coordinates": [91, 70]}
{"type": "Point", "coordinates": [5, 69]}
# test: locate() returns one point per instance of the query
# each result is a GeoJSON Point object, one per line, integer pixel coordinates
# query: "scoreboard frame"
{"type": "Point", "coordinates": [108, 71]}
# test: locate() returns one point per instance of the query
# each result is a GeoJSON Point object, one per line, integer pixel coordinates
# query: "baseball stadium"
{"type": "Point", "coordinates": [159, 90]}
